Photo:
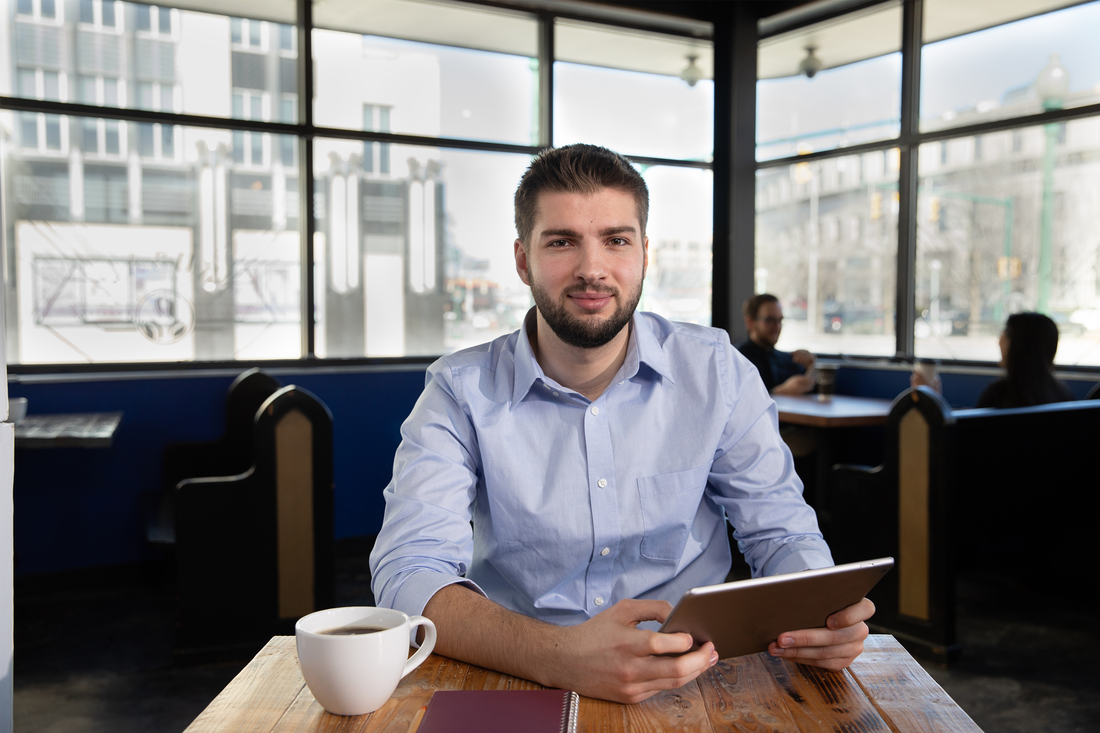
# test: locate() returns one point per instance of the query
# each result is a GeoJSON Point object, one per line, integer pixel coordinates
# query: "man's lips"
{"type": "Point", "coordinates": [591, 301]}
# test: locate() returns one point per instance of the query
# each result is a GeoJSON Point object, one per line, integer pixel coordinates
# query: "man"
{"type": "Point", "coordinates": [782, 372]}
{"type": "Point", "coordinates": [557, 488]}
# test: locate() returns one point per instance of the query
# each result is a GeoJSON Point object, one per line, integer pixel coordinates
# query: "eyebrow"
{"type": "Point", "coordinates": [572, 233]}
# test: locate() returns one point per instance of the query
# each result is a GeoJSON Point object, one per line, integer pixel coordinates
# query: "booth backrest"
{"type": "Point", "coordinates": [254, 551]}
{"type": "Point", "coordinates": [963, 486]}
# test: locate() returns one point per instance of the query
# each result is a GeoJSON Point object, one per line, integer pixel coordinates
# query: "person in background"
{"type": "Point", "coordinates": [783, 373]}
{"type": "Point", "coordinates": [1028, 345]}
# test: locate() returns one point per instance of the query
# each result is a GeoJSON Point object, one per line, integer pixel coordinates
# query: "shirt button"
{"type": "Point", "coordinates": [598, 601]}
{"type": "Point", "coordinates": [602, 483]}
{"type": "Point", "coordinates": [595, 410]}
{"type": "Point", "coordinates": [557, 395]}
{"type": "Point", "coordinates": [605, 550]}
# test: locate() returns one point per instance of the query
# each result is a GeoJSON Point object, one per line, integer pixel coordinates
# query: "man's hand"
{"type": "Point", "coordinates": [608, 657]}
{"type": "Point", "coordinates": [796, 385]}
{"type": "Point", "coordinates": [803, 358]}
{"type": "Point", "coordinates": [833, 648]}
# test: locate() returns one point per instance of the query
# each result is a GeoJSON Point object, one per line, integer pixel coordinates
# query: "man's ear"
{"type": "Point", "coordinates": [521, 261]}
{"type": "Point", "coordinates": [645, 256]}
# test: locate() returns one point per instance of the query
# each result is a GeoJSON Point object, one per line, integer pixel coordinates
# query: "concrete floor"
{"type": "Point", "coordinates": [93, 653]}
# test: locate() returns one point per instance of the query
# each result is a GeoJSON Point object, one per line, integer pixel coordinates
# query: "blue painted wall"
{"type": "Point", "coordinates": [960, 390]}
{"type": "Point", "coordinates": [83, 507]}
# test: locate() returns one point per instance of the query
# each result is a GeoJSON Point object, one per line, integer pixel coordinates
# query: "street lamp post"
{"type": "Point", "coordinates": [1052, 87]}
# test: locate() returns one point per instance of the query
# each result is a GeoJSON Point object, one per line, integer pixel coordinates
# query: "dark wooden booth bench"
{"type": "Point", "coordinates": [1011, 488]}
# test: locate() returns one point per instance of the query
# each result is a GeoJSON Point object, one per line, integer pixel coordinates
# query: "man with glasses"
{"type": "Point", "coordinates": [784, 373]}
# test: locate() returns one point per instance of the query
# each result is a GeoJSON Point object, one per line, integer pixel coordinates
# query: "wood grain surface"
{"type": "Point", "coordinates": [884, 690]}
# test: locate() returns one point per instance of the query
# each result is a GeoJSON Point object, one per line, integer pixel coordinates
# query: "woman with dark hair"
{"type": "Point", "coordinates": [1028, 345]}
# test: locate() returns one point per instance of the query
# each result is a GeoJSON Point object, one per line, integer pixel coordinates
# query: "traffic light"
{"type": "Point", "coordinates": [934, 209]}
{"type": "Point", "coordinates": [876, 205]}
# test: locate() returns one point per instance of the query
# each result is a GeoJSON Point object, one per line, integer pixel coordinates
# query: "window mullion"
{"type": "Point", "coordinates": [905, 309]}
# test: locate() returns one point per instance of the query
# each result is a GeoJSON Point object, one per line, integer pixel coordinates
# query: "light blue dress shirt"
{"type": "Point", "coordinates": [577, 504]}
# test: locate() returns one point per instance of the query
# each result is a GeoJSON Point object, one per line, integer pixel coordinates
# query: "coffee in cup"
{"type": "Point", "coordinates": [353, 658]}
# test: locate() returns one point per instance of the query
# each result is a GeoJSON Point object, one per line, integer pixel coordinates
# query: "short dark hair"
{"type": "Point", "coordinates": [752, 305]}
{"type": "Point", "coordinates": [1029, 363]}
{"type": "Point", "coordinates": [576, 168]}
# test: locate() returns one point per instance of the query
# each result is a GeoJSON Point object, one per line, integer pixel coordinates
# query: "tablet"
{"type": "Point", "coordinates": [743, 617]}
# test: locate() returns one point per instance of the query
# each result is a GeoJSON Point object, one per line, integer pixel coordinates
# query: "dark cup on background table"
{"type": "Point", "coordinates": [826, 381]}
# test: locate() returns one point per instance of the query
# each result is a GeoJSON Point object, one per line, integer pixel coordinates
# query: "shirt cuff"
{"type": "Point", "coordinates": [795, 557]}
{"type": "Point", "coordinates": [417, 589]}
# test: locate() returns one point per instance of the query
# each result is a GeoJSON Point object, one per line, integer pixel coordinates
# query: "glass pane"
{"type": "Point", "coordinates": [826, 234]}
{"type": "Point", "coordinates": [417, 262]}
{"type": "Point", "coordinates": [450, 24]}
{"type": "Point", "coordinates": [1006, 223]}
{"type": "Point", "coordinates": [602, 73]}
{"type": "Point", "coordinates": [438, 91]}
{"type": "Point", "coordinates": [680, 229]}
{"type": "Point", "coordinates": [1020, 68]}
{"type": "Point", "coordinates": [192, 54]}
{"type": "Point", "coordinates": [830, 85]}
{"type": "Point", "coordinates": [206, 267]}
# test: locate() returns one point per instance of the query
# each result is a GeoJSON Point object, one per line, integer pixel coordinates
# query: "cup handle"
{"type": "Point", "coordinates": [426, 647]}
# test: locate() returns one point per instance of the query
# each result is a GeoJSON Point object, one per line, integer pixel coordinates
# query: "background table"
{"type": "Point", "coordinates": [838, 411]}
{"type": "Point", "coordinates": [82, 430]}
{"type": "Point", "coordinates": [884, 690]}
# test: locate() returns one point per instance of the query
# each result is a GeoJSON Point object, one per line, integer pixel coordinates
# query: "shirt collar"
{"type": "Point", "coordinates": [643, 348]}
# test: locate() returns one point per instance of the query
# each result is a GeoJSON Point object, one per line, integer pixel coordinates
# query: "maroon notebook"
{"type": "Point", "coordinates": [501, 711]}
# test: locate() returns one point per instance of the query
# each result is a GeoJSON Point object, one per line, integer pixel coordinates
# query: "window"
{"type": "Point", "coordinates": [144, 240]}
{"type": "Point", "coordinates": [423, 66]}
{"type": "Point", "coordinates": [249, 34]}
{"type": "Point", "coordinates": [836, 287]}
{"type": "Point", "coordinates": [153, 20]}
{"type": "Point", "coordinates": [1001, 215]}
{"type": "Point", "coordinates": [41, 10]}
{"type": "Point", "coordinates": [853, 95]}
{"type": "Point", "coordinates": [100, 13]}
{"type": "Point", "coordinates": [601, 68]}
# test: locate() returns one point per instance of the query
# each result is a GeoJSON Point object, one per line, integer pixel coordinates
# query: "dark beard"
{"type": "Point", "coordinates": [584, 333]}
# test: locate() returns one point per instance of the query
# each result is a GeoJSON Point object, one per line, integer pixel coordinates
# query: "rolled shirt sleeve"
{"type": "Point", "coordinates": [426, 540]}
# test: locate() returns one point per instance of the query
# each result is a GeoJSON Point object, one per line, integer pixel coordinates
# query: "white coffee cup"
{"type": "Point", "coordinates": [353, 674]}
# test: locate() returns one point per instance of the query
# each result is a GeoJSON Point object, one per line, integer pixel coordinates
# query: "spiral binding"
{"type": "Point", "coordinates": [572, 705]}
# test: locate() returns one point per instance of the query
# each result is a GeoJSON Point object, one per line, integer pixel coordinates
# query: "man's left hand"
{"type": "Point", "coordinates": [803, 358]}
{"type": "Point", "coordinates": [834, 647]}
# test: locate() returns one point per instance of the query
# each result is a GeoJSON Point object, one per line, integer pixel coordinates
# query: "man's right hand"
{"type": "Point", "coordinates": [605, 657]}
{"type": "Point", "coordinates": [608, 657]}
{"type": "Point", "coordinates": [796, 385]}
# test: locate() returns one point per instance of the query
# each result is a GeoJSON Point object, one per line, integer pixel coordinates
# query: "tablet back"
{"type": "Point", "coordinates": [745, 616]}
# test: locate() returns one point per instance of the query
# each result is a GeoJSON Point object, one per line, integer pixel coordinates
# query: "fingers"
{"type": "Point", "coordinates": [851, 615]}
{"type": "Point", "coordinates": [668, 673]}
{"type": "Point", "coordinates": [657, 643]}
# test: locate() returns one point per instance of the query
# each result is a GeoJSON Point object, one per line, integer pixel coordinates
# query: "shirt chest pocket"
{"type": "Point", "coordinates": [669, 503]}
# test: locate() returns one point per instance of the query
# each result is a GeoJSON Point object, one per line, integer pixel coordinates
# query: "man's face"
{"type": "Point", "coordinates": [765, 328]}
{"type": "Point", "coordinates": [585, 264]}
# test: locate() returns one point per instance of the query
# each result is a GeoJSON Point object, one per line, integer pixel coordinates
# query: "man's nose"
{"type": "Point", "coordinates": [591, 263]}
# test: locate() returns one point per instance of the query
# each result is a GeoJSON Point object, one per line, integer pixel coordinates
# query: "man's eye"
{"type": "Point", "coordinates": [619, 241]}
{"type": "Point", "coordinates": [558, 243]}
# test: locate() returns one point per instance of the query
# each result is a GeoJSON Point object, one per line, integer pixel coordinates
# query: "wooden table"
{"type": "Point", "coordinates": [838, 411]}
{"type": "Point", "coordinates": [884, 690]}
{"type": "Point", "coordinates": [83, 430]}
